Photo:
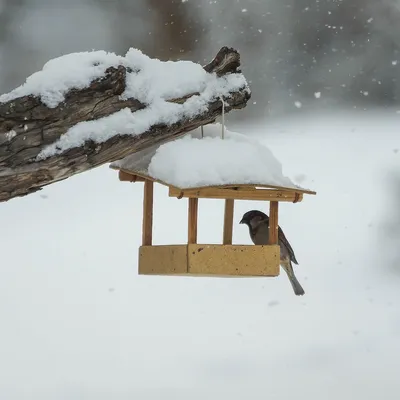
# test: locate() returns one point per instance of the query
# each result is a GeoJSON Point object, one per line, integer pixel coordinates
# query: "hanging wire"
{"type": "Point", "coordinates": [223, 118]}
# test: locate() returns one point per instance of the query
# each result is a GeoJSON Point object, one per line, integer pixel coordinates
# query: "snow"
{"type": "Point", "coordinates": [11, 134]}
{"type": "Point", "coordinates": [61, 74]}
{"type": "Point", "coordinates": [193, 161]}
{"type": "Point", "coordinates": [151, 81]}
{"type": "Point", "coordinates": [77, 322]}
{"type": "Point", "coordinates": [298, 104]}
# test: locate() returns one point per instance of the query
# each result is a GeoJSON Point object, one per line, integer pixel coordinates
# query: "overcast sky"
{"type": "Point", "coordinates": [346, 50]}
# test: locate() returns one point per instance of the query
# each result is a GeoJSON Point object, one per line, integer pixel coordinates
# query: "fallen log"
{"type": "Point", "coordinates": [87, 109]}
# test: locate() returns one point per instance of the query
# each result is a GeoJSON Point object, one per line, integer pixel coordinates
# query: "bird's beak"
{"type": "Point", "coordinates": [241, 221]}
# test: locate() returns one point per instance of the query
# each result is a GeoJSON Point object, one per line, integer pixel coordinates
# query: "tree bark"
{"type": "Point", "coordinates": [27, 126]}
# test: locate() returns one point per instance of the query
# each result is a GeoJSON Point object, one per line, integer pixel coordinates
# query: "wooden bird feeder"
{"type": "Point", "coordinates": [199, 259]}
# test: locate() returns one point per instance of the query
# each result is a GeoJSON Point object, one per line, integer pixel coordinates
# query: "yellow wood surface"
{"type": "Point", "coordinates": [125, 177]}
{"type": "Point", "coordinates": [228, 221]}
{"type": "Point", "coordinates": [273, 222]}
{"type": "Point", "coordinates": [163, 260]}
{"type": "Point", "coordinates": [192, 220]}
{"type": "Point", "coordinates": [147, 226]}
{"type": "Point", "coordinates": [243, 194]}
{"type": "Point", "coordinates": [143, 176]}
{"type": "Point", "coordinates": [209, 260]}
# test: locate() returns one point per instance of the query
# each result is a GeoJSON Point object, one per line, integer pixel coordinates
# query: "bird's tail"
{"type": "Point", "coordinates": [297, 288]}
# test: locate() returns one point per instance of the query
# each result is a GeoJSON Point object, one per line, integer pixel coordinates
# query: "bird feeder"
{"type": "Point", "coordinates": [202, 259]}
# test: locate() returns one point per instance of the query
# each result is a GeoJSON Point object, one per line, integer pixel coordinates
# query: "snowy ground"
{"type": "Point", "coordinates": [77, 322]}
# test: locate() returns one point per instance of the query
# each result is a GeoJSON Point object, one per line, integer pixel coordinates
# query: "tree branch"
{"type": "Point", "coordinates": [27, 126]}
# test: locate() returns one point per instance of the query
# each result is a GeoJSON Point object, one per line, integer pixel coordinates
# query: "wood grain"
{"type": "Point", "coordinates": [193, 205]}
{"type": "Point", "coordinates": [228, 221]}
{"type": "Point", "coordinates": [236, 186]}
{"type": "Point", "coordinates": [273, 222]}
{"type": "Point", "coordinates": [163, 260]}
{"type": "Point", "coordinates": [210, 260]}
{"type": "Point", "coordinates": [36, 126]}
{"type": "Point", "coordinates": [126, 177]}
{"type": "Point", "coordinates": [243, 194]}
{"type": "Point", "coordinates": [147, 227]}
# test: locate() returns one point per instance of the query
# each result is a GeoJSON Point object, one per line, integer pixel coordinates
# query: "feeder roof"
{"type": "Point", "coordinates": [209, 161]}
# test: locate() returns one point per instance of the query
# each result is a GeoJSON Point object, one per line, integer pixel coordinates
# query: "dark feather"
{"type": "Point", "coordinates": [282, 238]}
{"type": "Point", "coordinates": [252, 215]}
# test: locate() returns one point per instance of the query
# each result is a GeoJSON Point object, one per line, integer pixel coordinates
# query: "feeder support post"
{"type": "Point", "coordinates": [192, 220]}
{"type": "Point", "coordinates": [273, 222]}
{"type": "Point", "coordinates": [147, 228]}
{"type": "Point", "coordinates": [228, 221]}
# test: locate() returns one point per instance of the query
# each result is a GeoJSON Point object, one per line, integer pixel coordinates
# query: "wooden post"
{"type": "Point", "coordinates": [228, 221]}
{"type": "Point", "coordinates": [192, 220]}
{"type": "Point", "coordinates": [147, 228]}
{"type": "Point", "coordinates": [273, 222]}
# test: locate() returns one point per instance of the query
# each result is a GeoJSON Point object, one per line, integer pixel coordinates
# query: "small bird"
{"type": "Point", "coordinates": [258, 224]}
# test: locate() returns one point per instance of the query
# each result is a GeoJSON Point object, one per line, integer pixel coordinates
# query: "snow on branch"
{"type": "Point", "coordinates": [86, 109]}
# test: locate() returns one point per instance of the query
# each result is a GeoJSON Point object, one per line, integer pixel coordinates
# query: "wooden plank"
{"type": "Point", "coordinates": [258, 194]}
{"type": "Point", "coordinates": [124, 176]}
{"type": "Point", "coordinates": [147, 228]}
{"type": "Point", "coordinates": [142, 177]}
{"type": "Point", "coordinates": [139, 176]}
{"type": "Point", "coordinates": [209, 260]}
{"type": "Point", "coordinates": [233, 260]}
{"type": "Point", "coordinates": [228, 221]}
{"type": "Point", "coordinates": [163, 260]}
{"type": "Point", "coordinates": [127, 177]}
{"type": "Point", "coordinates": [273, 222]}
{"type": "Point", "coordinates": [237, 186]}
{"type": "Point", "coordinates": [192, 220]}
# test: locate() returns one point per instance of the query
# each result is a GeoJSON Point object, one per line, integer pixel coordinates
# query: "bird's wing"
{"type": "Point", "coordinates": [260, 234]}
{"type": "Point", "coordinates": [282, 238]}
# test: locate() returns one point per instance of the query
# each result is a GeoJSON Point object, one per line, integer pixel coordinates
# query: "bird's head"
{"type": "Point", "coordinates": [253, 218]}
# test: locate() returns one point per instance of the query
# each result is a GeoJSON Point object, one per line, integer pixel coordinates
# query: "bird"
{"type": "Point", "coordinates": [258, 224]}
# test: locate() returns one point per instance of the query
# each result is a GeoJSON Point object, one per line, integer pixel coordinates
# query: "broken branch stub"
{"type": "Point", "coordinates": [28, 127]}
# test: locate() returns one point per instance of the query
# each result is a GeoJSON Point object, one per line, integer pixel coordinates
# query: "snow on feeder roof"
{"type": "Point", "coordinates": [199, 162]}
